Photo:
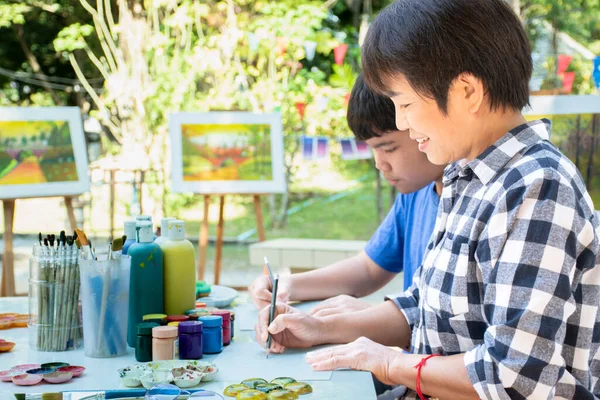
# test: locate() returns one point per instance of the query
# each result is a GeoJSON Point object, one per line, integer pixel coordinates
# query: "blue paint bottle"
{"type": "Point", "coordinates": [131, 235]}
{"type": "Point", "coordinates": [212, 335]}
{"type": "Point", "coordinates": [146, 293]}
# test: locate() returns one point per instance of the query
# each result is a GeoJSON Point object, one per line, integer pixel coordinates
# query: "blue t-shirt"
{"type": "Point", "coordinates": [401, 240]}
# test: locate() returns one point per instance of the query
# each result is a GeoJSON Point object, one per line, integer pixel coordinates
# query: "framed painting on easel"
{"type": "Point", "coordinates": [222, 153]}
{"type": "Point", "coordinates": [42, 152]}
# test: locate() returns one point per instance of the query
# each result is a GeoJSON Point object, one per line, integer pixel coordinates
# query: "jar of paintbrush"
{"type": "Point", "coordinates": [105, 299]}
{"type": "Point", "coordinates": [54, 317]}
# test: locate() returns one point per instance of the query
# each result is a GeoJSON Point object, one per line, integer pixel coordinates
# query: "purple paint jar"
{"type": "Point", "coordinates": [190, 340]}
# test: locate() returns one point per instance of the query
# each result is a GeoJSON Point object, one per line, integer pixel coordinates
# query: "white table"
{"type": "Point", "coordinates": [101, 374]}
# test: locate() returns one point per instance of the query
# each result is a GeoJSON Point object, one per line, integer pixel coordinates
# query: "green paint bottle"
{"type": "Point", "coordinates": [146, 279]}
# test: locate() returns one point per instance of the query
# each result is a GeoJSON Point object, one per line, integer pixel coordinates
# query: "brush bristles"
{"type": "Point", "coordinates": [117, 244]}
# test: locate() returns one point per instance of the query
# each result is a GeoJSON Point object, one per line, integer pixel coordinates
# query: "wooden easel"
{"type": "Point", "coordinates": [8, 268]}
{"type": "Point", "coordinates": [203, 238]}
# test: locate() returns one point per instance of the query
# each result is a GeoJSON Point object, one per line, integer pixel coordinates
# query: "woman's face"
{"type": "Point", "coordinates": [443, 138]}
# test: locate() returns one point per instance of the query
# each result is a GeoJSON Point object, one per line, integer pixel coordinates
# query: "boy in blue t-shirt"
{"type": "Point", "coordinates": [400, 241]}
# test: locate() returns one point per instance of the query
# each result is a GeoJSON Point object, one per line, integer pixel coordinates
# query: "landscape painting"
{"type": "Point", "coordinates": [42, 152]}
{"type": "Point", "coordinates": [227, 152]}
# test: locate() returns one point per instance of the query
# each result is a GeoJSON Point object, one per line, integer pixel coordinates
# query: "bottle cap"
{"type": "Point", "coordinates": [164, 226]}
{"type": "Point", "coordinates": [178, 318]}
{"type": "Point", "coordinates": [174, 323]}
{"type": "Point", "coordinates": [140, 218]}
{"type": "Point", "coordinates": [226, 315]}
{"type": "Point", "coordinates": [129, 228]}
{"type": "Point", "coordinates": [159, 318]}
{"type": "Point", "coordinates": [190, 327]}
{"type": "Point", "coordinates": [211, 321]}
{"type": "Point", "coordinates": [145, 328]}
{"type": "Point", "coordinates": [164, 332]}
{"type": "Point", "coordinates": [145, 234]}
{"type": "Point", "coordinates": [176, 230]}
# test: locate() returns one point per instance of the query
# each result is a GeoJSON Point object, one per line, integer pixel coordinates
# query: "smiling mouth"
{"type": "Point", "coordinates": [422, 140]}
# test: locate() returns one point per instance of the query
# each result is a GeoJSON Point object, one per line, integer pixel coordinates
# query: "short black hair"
{"type": "Point", "coordinates": [369, 114]}
{"type": "Point", "coordinates": [431, 42]}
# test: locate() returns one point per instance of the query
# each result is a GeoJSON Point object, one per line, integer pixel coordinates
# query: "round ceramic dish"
{"type": "Point", "coordinates": [26, 379]}
{"type": "Point", "coordinates": [40, 371]}
{"type": "Point", "coordinates": [58, 377]}
{"type": "Point", "coordinates": [188, 379]}
{"type": "Point", "coordinates": [74, 369]}
{"type": "Point", "coordinates": [151, 379]}
{"type": "Point", "coordinates": [220, 296]}
{"type": "Point", "coordinates": [25, 367]}
{"type": "Point", "coordinates": [55, 365]}
{"type": "Point", "coordinates": [6, 376]}
{"type": "Point", "coordinates": [130, 377]}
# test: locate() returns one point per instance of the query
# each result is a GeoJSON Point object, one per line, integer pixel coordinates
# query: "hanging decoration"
{"type": "Point", "coordinates": [568, 79]}
{"type": "Point", "coordinates": [563, 63]}
{"type": "Point", "coordinates": [301, 107]}
{"type": "Point", "coordinates": [314, 148]}
{"type": "Point", "coordinates": [339, 53]}
{"type": "Point", "coordinates": [310, 48]}
{"type": "Point", "coordinates": [355, 150]}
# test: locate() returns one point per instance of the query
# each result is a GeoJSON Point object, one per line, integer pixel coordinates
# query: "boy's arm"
{"type": "Point", "coordinates": [356, 276]}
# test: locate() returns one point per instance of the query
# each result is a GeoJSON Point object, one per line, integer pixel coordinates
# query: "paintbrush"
{"type": "Point", "coordinates": [272, 311]}
{"type": "Point", "coordinates": [116, 248]}
{"type": "Point", "coordinates": [40, 238]}
{"type": "Point", "coordinates": [269, 269]}
{"type": "Point", "coordinates": [86, 245]}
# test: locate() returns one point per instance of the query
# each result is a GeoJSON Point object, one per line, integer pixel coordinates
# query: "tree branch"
{"type": "Point", "coordinates": [33, 62]}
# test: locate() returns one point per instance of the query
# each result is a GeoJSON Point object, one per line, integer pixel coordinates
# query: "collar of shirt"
{"type": "Point", "coordinates": [495, 157]}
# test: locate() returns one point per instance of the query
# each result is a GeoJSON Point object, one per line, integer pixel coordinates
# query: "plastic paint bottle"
{"type": "Point", "coordinates": [179, 271]}
{"type": "Point", "coordinates": [164, 231]}
{"type": "Point", "coordinates": [146, 291]}
{"type": "Point", "coordinates": [130, 231]}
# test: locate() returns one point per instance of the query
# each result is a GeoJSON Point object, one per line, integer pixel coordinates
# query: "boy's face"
{"type": "Point", "coordinates": [401, 163]}
{"type": "Point", "coordinates": [444, 138]}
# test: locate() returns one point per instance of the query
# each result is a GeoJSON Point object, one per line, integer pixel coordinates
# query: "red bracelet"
{"type": "Point", "coordinates": [418, 367]}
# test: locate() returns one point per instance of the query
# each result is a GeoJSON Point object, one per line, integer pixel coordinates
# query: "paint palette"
{"type": "Point", "coordinates": [281, 388]}
{"type": "Point", "coordinates": [135, 375]}
{"type": "Point", "coordinates": [32, 374]}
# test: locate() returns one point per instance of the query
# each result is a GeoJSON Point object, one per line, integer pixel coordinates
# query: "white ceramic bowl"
{"type": "Point", "coordinates": [151, 379]}
{"type": "Point", "coordinates": [189, 379]}
{"type": "Point", "coordinates": [130, 377]}
{"type": "Point", "coordinates": [210, 373]}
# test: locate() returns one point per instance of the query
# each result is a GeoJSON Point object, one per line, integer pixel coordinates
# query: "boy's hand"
{"type": "Point", "coordinates": [260, 291]}
{"type": "Point", "coordinates": [290, 328]}
{"type": "Point", "coordinates": [339, 305]}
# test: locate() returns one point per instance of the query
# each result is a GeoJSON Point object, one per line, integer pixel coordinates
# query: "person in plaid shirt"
{"type": "Point", "coordinates": [509, 289]}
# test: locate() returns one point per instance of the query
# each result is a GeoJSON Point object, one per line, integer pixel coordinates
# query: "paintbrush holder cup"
{"type": "Point", "coordinates": [54, 308]}
{"type": "Point", "coordinates": [105, 305]}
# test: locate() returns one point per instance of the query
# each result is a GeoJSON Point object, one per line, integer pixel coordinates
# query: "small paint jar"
{"type": "Point", "coordinates": [190, 340]}
{"type": "Point", "coordinates": [232, 324]}
{"type": "Point", "coordinates": [226, 315]}
{"type": "Point", "coordinates": [164, 343]}
{"type": "Point", "coordinates": [143, 344]}
{"type": "Point", "coordinates": [177, 318]}
{"type": "Point", "coordinates": [160, 319]}
{"type": "Point", "coordinates": [212, 334]}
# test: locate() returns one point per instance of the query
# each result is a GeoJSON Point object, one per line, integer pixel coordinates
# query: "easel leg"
{"type": "Point", "coordinates": [8, 272]}
{"type": "Point", "coordinates": [219, 245]}
{"type": "Point", "coordinates": [260, 226]}
{"type": "Point", "coordinates": [70, 212]}
{"type": "Point", "coordinates": [203, 240]}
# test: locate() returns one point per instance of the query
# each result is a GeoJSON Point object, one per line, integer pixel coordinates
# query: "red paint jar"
{"type": "Point", "coordinates": [226, 315]}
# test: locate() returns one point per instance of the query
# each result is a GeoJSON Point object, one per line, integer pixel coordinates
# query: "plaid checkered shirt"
{"type": "Point", "coordinates": [511, 277]}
